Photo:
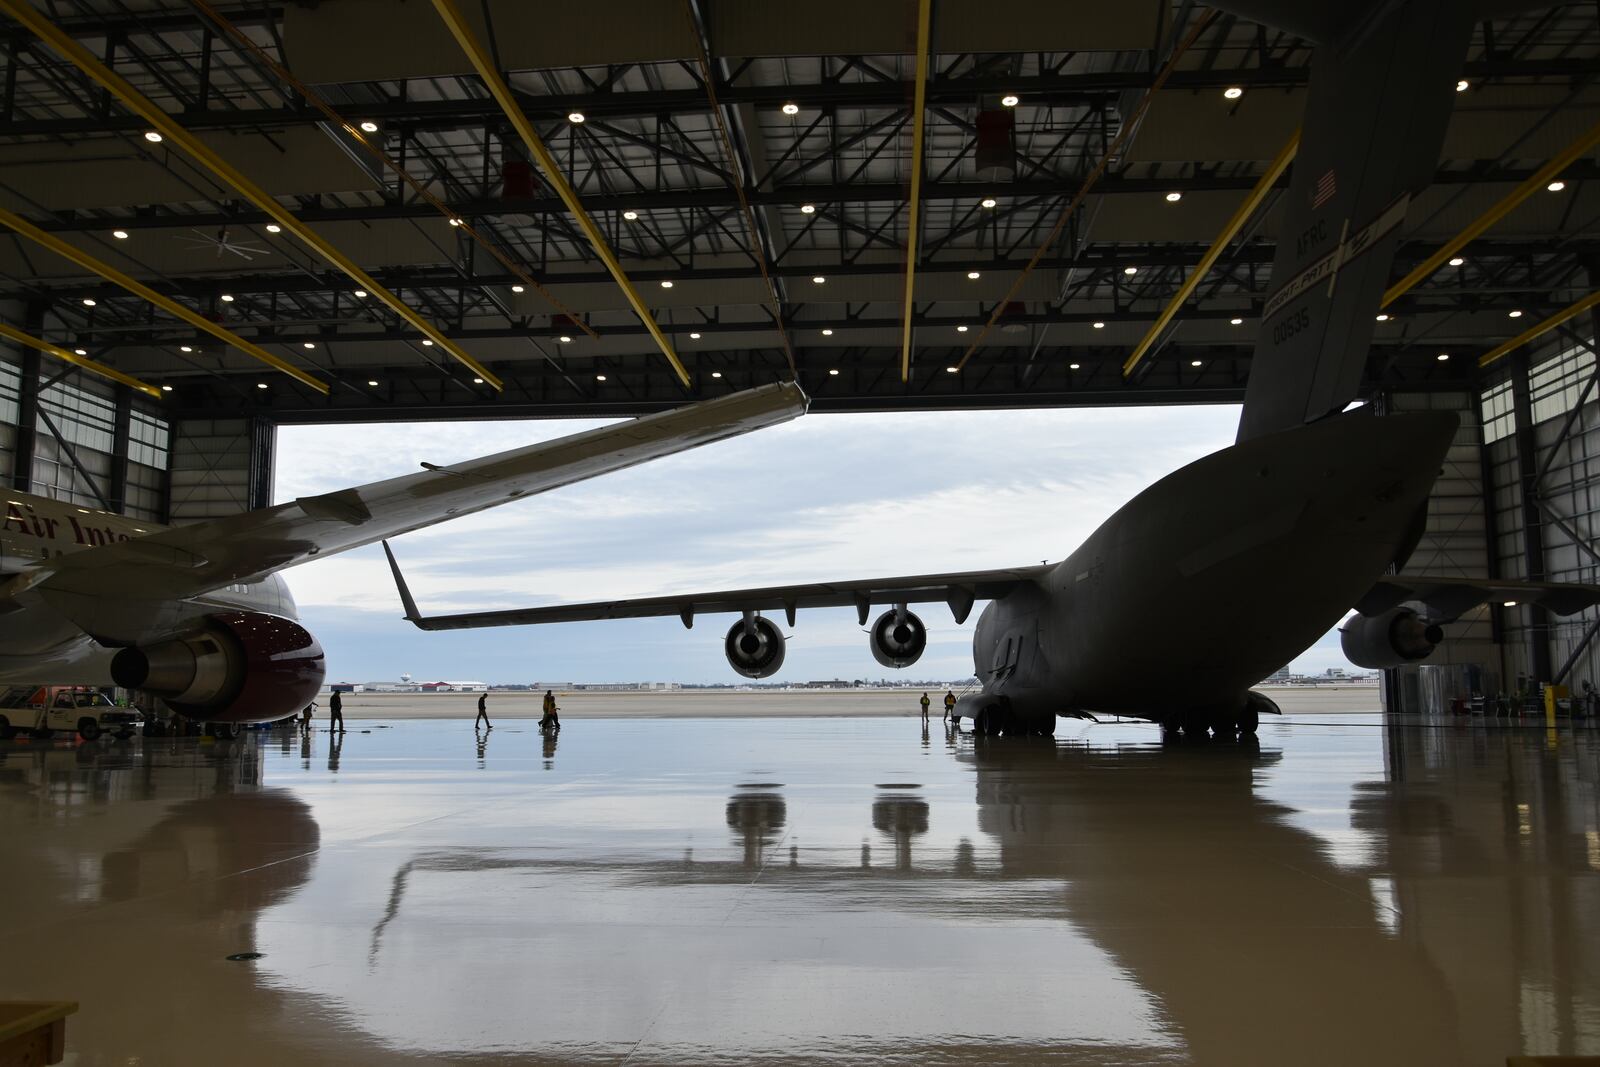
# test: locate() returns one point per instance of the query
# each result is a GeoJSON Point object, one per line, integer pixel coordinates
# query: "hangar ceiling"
{"type": "Point", "coordinates": [817, 106]}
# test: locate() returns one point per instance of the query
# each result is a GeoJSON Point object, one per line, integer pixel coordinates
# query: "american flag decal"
{"type": "Point", "coordinates": [1323, 191]}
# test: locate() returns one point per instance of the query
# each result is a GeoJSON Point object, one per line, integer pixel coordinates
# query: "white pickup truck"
{"type": "Point", "coordinates": [43, 709]}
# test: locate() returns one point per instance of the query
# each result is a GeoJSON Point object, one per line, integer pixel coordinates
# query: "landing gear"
{"type": "Point", "coordinates": [1247, 721]}
{"type": "Point", "coordinates": [1195, 726]}
{"type": "Point", "coordinates": [223, 731]}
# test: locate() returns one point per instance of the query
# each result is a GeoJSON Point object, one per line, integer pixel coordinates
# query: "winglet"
{"type": "Point", "coordinates": [405, 593]}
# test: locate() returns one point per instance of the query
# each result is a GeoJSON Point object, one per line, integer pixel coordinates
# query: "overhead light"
{"type": "Point", "coordinates": [1514, 314]}
{"type": "Point", "coordinates": [791, 108]}
{"type": "Point", "coordinates": [152, 136]}
{"type": "Point", "coordinates": [630, 214]}
{"type": "Point", "coordinates": [454, 221]}
{"type": "Point", "coordinates": [166, 388]}
{"type": "Point", "coordinates": [1556, 186]}
{"type": "Point", "coordinates": [1174, 196]}
{"type": "Point", "coordinates": [273, 227]}
{"type": "Point", "coordinates": [1509, 604]}
{"type": "Point", "coordinates": [1456, 261]}
{"type": "Point", "coordinates": [359, 293]}
{"type": "Point", "coordinates": [1382, 317]}
{"type": "Point", "coordinates": [951, 370]}
{"type": "Point", "coordinates": [1009, 100]}
{"type": "Point", "coordinates": [372, 382]}
{"type": "Point", "coordinates": [716, 374]}
{"type": "Point", "coordinates": [575, 117]}
{"type": "Point", "coordinates": [1443, 356]}
{"type": "Point", "coordinates": [1074, 366]}
{"type": "Point", "coordinates": [566, 338]}
{"type": "Point", "coordinates": [818, 279]}
{"type": "Point", "coordinates": [369, 127]}
{"type": "Point", "coordinates": [121, 235]}
{"type": "Point", "coordinates": [81, 351]}
{"type": "Point", "coordinates": [1235, 322]}
{"type": "Point", "coordinates": [307, 344]}
{"type": "Point", "coordinates": [833, 372]}
{"type": "Point", "coordinates": [1232, 92]}
{"type": "Point", "coordinates": [477, 381]}
{"type": "Point", "coordinates": [88, 301]}
{"type": "Point", "coordinates": [599, 377]}
{"type": "Point", "coordinates": [516, 289]}
{"type": "Point", "coordinates": [226, 298]}
{"type": "Point", "coordinates": [1130, 270]}
{"type": "Point", "coordinates": [1463, 85]}
{"type": "Point", "coordinates": [827, 333]}
{"type": "Point", "coordinates": [666, 283]}
{"type": "Point", "coordinates": [807, 209]}
{"type": "Point", "coordinates": [694, 336]}
{"type": "Point", "coordinates": [961, 329]}
{"type": "Point", "coordinates": [1194, 363]}
{"type": "Point", "coordinates": [427, 342]}
{"type": "Point", "coordinates": [185, 348]}
{"type": "Point", "coordinates": [1099, 325]}
{"type": "Point", "coordinates": [973, 275]}
{"type": "Point", "coordinates": [988, 201]}
{"type": "Point", "coordinates": [261, 385]}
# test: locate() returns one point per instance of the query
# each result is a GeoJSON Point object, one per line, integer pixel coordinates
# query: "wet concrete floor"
{"type": "Point", "coordinates": [788, 890]}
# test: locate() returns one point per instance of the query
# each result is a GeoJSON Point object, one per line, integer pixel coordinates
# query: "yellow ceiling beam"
{"type": "Point", "coordinates": [1538, 180]}
{"type": "Point", "coordinates": [497, 86]}
{"type": "Point", "coordinates": [1568, 312]}
{"type": "Point", "coordinates": [165, 303]}
{"type": "Point", "coordinates": [918, 103]}
{"type": "Point", "coordinates": [202, 154]}
{"type": "Point", "coordinates": [76, 360]}
{"type": "Point", "coordinates": [1230, 230]}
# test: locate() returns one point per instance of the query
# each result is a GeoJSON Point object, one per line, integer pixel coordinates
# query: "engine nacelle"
{"type": "Point", "coordinates": [756, 650]}
{"type": "Point", "coordinates": [240, 667]}
{"type": "Point", "coordinates": [1396, 637]}
{"type": "Point", "coordinates": [898, 638]}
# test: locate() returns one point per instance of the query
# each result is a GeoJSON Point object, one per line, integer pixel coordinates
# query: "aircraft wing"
{"type": "Point", "coordinates": [959, 590]}
{"type": "Point", "coordinates": [1448, 598]}
{"type": "Point", "coordinates": [186, 561]}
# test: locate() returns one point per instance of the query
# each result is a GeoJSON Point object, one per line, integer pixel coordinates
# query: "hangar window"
{"type": "Point", "coordinates": [85, 419]}
{"type": "Point", "coordinates": [147, 440]}
{"type": "Point", "coordinates": [1499, 418]}
{"type": "Point", "coordinates": [10, 393]}
{"type": "Point", "coordinates": [1555, 385]}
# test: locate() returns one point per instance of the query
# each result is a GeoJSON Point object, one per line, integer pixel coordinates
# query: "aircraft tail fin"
{"type": "Point", "coordinates": [1376, 110]}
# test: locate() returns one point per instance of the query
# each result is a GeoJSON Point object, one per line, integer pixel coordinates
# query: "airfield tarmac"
{"type": "Point", "coordinates": [809, 890]}
{"type": "Point", "coordinates": [752, 703]}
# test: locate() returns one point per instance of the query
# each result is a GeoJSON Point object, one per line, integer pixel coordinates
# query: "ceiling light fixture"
{"type": "Point", "coordinates": [1463, 85]}
{"type": "Point", "coordinates": [121, 235]}
{"type": "Point", "coordinates": [1232, 92]}
{"type": "Point", "coordinates": [630, 215]}
{"type": "Point", "coordinates": [951, 370]}
{"type": "Point", "coordinates": [1130, 271]}
{"type": "Point", "coordinates": [1074, 366]}
{"type": "Point", "coordinates": [961, 329]}
{"type": "Point", "coordinates": [369, 127]}
{"type": "Point", "coordinates": [833, 372]}
{"type": "Point", "coordinates": [1556, 186]}
{"type": "Point", "coordinates": [818, 279]}
{"type": "Point", "coordinates": [185, 348]}
{"type": "Point", "coordinates": [1194, 363]}
{"type": "Point", "coordinates": [372, 382]}
{"type": "Point", "coordinates": [427, 343]}
{"type": "Point", "coordinates": [566, 339]}
{"type": "Point", "coordinates": [1235, 321]}
{"type": "Point", "coordinates": [1514, 314]}
{"type": "Point", "coordinates": [455, 221]}
{"type": "Point", "coordinates": [807, 209]}
{"type": "Point", "coordinates": [166, 388]}
{"type": "Point", "coordinates": [1174, 196]}
{"type": "Point", "coordinates": [575, 117]}
{"type": "Point", "coordinates": [1456, 261]}
{"type": "Point", "coordinates": [988, 201]}
{"type": "Point", "coordinates": [973, 275]}
{"type": "Point", "coordinates": [827, 333]}
{"type": "Point", "coordinates": [1443, 356]}
{"type": "Point", "coordinates": [1099, 325]}
{"type": "Point", "coordinates": [81, 351]}
{"type": "Point", "coordinates": [477, 381]}
{"type": "Point", "coordinates": [88, 301]}
{"type": "Point", "coordinates": [716, 374]}
{"type": "Point", "coordinates": [694, 336]}
{"type": "Point", "coordinates": [152, 136]}
{"type": "Point", "coordinates": [359, 294]}
{"type": "Point", "coordinates": [273, 227]}
{"type": "Point", "coordinates": [517, 289]}
{"type": "Point", "coordinates": [261, 385]}
{"type": "Point", "coordinates": [666, 283]}
{"type": "Point", "coordinates": [791, 108]}
{"type": "Point", "coordinates": [1509, 604]}
{"type": "Point", "coordinates": [1009, 100]}
{"type": "Point", "coordinates": [226, 298]}
{"type": "Point", "coordinates": [599, 377]}
{"type": "Point", "coordinates": [1382, 317]}
{"type": "Point", "coordinates": [307, 344]}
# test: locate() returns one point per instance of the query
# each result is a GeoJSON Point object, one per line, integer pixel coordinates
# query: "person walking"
{"type": "Point", "coordinates": [924, 702]}
{"type": "Point", "coordinates": [949, 703]}
{"type": "Point", "coordinates": [551, 720]}
{"type": "Point", "coordinates": [335, 713]}
{"type": "Point", "coordinates": [483, 712]}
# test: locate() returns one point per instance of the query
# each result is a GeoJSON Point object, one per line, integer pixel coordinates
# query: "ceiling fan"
{"type": "Point", "coordinates": [222, 244]}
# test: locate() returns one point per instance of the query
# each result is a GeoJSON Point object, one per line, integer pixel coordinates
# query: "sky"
{"type": "Point", "coordinates": [823, 498]}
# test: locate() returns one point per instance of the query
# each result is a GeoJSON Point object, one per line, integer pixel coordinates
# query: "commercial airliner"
{"type": "Point", "coordinates": [1223, 571]}
{"type": "Point", "coordinates": [199, 616]}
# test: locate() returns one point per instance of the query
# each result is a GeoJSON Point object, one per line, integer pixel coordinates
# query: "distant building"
{"type": "Point", "coordinates": [836, 683]}
{"type": "Point", "coordinates": [346, 687]}
{"type": "Point", "coordinates": [454, 687]}
{"type": "Point", "coordinates": [1279, 675]}
{"type": "Point", "coordinates": [1338, 672]}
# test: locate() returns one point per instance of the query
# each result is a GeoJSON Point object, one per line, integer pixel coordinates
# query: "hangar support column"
{"type": "Point", "coordinates": [1532, 521]}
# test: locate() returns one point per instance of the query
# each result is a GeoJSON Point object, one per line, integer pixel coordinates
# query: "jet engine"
{"type": "Point", "coordinates": [898, 638]}
{"type": "Point", "coordinates": [239, 667]}
{"type": "Point", "coordinates": [754, 647]}
{"type": "Point", "coordinates": [1396, 637]}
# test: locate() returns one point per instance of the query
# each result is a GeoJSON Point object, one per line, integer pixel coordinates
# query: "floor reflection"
{"type": "Point", "coordinates": [804, 890]}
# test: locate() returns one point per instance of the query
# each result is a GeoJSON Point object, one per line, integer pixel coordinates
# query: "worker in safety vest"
{"type": "Point", "coordinates": [949, 703]}
{"type": "Point", "coordinates": [924, 703]}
